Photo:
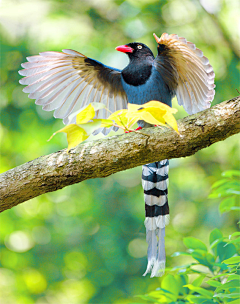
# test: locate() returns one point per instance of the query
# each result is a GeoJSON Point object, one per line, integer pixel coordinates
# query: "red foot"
{"type": "Point", "coordinates": [139, 128]}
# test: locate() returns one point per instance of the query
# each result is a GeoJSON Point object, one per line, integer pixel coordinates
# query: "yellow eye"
{"type": "Point", "coordinates": [139, 47]}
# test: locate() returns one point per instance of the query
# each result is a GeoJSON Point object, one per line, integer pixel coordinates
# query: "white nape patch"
{"type": "Point", "coordinates": [152, 223]}
{"type": "Point", "coordinates": [151, 200]}
{"type": "Point", "coordinates": [147, 185]}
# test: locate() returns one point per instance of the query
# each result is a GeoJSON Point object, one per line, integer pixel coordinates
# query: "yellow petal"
{"type": "Point", "coordinates": [106, 123]}
{"type": "Point", "coordinates": [98, 105]}
{"type": "Point", "coordinates": [91, 126]}
{"type": "Point", "coordinates": [75, 135]}
{"type": "Point", "coordinates": [133, 107]}
{"type": "Point", "coordinates": [159, 105]}
{"type": "Point", "coordinates": [163, 116]}
{"type": "Point", "coordinates": [85, 115]}
{"type": "Point", "coordinates": [171, 121]}
{"type": "Point", "coordinates": [147, 117]}
{"type": "Point", "coordinates": [153, 112]}
{"type": "Point", "coordinates": [119, 117]}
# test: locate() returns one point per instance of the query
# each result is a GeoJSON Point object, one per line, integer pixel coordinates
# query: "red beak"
{"type": "Point", "coordinates": [124, 49]}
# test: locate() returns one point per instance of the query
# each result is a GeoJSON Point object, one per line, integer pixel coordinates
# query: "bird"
{"type": "Point", "coordinates": [67, 81]}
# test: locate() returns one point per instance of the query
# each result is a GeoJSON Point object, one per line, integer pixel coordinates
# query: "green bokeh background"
{"type": "Point", "coordinates": [86, 243]}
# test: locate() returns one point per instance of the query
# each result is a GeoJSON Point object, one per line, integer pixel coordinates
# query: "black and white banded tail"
{"type": "Point", "coordinates": [155, 185]}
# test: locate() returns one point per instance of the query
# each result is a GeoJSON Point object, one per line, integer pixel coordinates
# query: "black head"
{"type": "Point", "coordinates": [135, 50]}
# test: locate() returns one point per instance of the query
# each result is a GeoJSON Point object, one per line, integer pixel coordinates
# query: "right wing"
{"type": "Point", "coordinates": [67, 81]}
{"type": "Point", "coordinates": [186, 72]}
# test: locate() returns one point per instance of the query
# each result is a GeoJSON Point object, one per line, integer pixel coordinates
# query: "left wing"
{"type": "Point", "coordinates": [186, 72]}
{"type": "Point", "coordinates": [67, 81]}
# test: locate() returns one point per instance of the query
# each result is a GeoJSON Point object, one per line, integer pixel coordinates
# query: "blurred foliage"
{"type": "Point", "coordinates": [216, 269]}
{"type": "Point", "coordinates": [227, 188]}
{"type": "Point", "coordinates": [86, 243]}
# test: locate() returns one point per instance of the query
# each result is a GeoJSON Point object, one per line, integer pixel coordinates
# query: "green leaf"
{"type": "Point", "coordinates": [214, 244]}
{"type": "Point", "coordinates": [182, 280]}
{"type": "Point", "coordinates": [215, 234]}
{"type": "Point", "coordinates": [236, 241]}
{"type": "Point", "coordinates": [234, 234]}
{"type": "Point", "coordinates": [146, 298]}
{"type": "Point", "coordinates": [198, 281]}
{"type": "Point", "coordinates": [228, 285]}
{"type": "Point", "coordinates": [201, 291]}
{"type": "Point", "coordinates": [231, 173]}
{"type": "Point", "coordinates": [232, 260]}
{"type": "Point", "coordinates": [224, 295]}
{"type": "Point", "coordinates": [233, 277]}
{"type": "Point", "coordinates": [193, 243]}
{"type": "Point", "coordinates": [234, 302]}
{"type": "Point", "coordinates": [219, 276]}
{"type": "Point", "coordinates": [161, 295]}
{"type": "Point", "coordinates": [219, 183]}
{"type": "Point", "coordinates": [213, 283]}
{"type": "Point", "coordinates": [225, 189]}
{"type": "Point", "coordinates": [235, 208]}
{"type": "Point", "coordinates": [225, 252]}
{"type": "Point", "coordinates": [210, 258]}
{"type": "Point", "coordinates": [199, 256]}
{"type": "Point", "coordinates": [171, 284]}
{"type": "Point", "coordinates": [204, 258]}
{"type": "Point", "coordinates": [198, 299]}
{"type": "Point", "coordinates": [178, 253]}
{"type": "Point", "coordinates": [221, 265]}
{"type": "Point", "coordinates": [226, 204]}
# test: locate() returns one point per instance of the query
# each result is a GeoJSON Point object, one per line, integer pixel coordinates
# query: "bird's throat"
{"type": "Point", "coordinates": [137, 73]}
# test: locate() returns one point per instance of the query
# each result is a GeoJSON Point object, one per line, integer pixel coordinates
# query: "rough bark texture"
{"type": "Point", "coordinates": [103, 157]}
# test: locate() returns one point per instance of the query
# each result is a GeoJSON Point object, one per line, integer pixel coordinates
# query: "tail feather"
{"type": "Point", "coordinates": [155, 183]}
{"type": "Point", "coordinates": [152, 249]}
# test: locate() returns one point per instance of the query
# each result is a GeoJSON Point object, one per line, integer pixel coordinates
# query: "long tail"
{"type": "Point", "coordinates": [155, 184]}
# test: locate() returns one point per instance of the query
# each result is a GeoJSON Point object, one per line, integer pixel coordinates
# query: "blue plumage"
{"type": "Point", "coordinates": [153, 89]}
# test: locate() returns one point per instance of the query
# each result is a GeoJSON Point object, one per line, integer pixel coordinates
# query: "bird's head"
{"type": "Point", "coordinates": [135, 50]}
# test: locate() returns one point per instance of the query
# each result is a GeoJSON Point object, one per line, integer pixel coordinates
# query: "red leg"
{"type": "Point", "coordinates": [139, 128]}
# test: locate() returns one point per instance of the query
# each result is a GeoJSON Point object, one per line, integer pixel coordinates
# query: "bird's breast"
{"type": "Point", "coordinates": [153, 89]}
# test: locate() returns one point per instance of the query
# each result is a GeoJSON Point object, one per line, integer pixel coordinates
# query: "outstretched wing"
{"type": "Point", "coordinates": [67, 81]}
{"type": "Point", "coordinates": [186, 71]}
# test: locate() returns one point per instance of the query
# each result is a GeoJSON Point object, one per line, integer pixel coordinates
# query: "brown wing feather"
{"type": "Point", "coordinates": [186, 71]}
{"type": "Point", "coordinates": [67, 81]}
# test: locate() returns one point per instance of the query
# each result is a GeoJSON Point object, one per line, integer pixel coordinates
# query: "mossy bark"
{"type": "Point", "coordinates": [103, 157]}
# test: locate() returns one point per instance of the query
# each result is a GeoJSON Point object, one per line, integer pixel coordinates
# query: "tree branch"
{"type": "Point", "coordinates": [103, 157]}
